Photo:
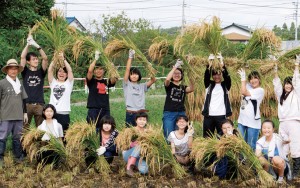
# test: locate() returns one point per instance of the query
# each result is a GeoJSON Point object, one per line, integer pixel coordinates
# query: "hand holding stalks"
{"type": "Point", "coordinates": [275, 68]}
{"type": "Point", "coordinates": [25, 118]}
{"type": "Point", "coordinates": [101, 150]}
{"type": "Point", "coordinates": [297, 62]}
{"type": "Point", "coordinates": [242, 74]}
{"type": "Point", "coordinates": [190, 130]}
{"type": "Point", "coordinates": [31, 42]}
{"type": "Point", "coordinates": [97, 54]}
{"type": "Point", "coordinates": [220, 57]}
{"type": "Point", "coordinates": [61, 56]}
{"type": "Point", "coordinates": [178, 63]}
{"type": "Point", "coordinates": [131, 54]}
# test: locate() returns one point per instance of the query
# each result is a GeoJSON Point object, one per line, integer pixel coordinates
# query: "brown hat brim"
{"type": "Point", "coordinates": [4, 69]}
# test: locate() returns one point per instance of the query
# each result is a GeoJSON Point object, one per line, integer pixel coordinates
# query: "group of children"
{"type": "Point", "coordinates": [176, 128]}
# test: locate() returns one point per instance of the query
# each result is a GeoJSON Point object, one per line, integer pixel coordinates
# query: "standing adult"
{"type": "Point", "coordinates": [174, 103]}
{"type": "Point", "coordinates": [249, 122]}
{"type": "Point", "coordinates": [12, 109]}
{"type": "Point", "coordinates": [217, 105]}
{"type": "Point", "coordinates": [98, 99]}
{"type": "Point", "coordinates": [33, 81]}
{"type": "Point", "coordinates": [61, 89]}
{"type": "Point", "coordinates": [288, 96]}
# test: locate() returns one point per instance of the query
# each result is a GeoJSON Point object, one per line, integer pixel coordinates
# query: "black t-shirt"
{"type": "Point", "coordinates": [33, 82]}
{"type": "Point", "coordinates": [175, 98]}
{"type": "Point", "coordinates": [98, 93]}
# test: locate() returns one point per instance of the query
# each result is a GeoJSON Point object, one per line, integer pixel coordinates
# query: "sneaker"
{"type": "Point", "coordinates": [281, 182]}
{"type": "Point", "coordinates": [130, 172]}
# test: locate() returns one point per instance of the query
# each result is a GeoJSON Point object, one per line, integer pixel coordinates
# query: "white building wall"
{"type": "Point", "coordinates": [235, 30]}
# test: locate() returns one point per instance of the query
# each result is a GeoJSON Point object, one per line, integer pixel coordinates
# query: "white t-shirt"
{"type": "Point", "coordinates": [217, 104]}
{"type": "Point", "coordinates": [60, 96]}
{"type": "Point", "coordinates": [181, 145]}
{"type": "Point", "coordinates": [134, 94]}
{"type": "Point", "coordinates": [247, 116]}
{"type": "Point", "coordinates": [54, 129]}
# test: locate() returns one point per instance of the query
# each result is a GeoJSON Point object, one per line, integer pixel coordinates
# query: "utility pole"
{"type": "Point", "coordinates": [296, 19]}
{"type": "Point", "coordinates": [66, 8]}
{"type": "Point", "coordinates": [183, 17]}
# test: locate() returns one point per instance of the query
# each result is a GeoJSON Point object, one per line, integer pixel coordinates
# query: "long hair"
{"type": "Point", "coordinates": [108, 120]}
{"type": "Point", "coordinates": [284, 95]}
{"type": "Point", "coordinates": [46, 106]}
{"type": "Point", "coordinates": [185, 118]}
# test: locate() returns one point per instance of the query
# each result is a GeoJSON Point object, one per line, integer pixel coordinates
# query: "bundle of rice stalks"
{"type": "Point", "coordinates": [84, 138]}
{"type": "Point", "coordinates": [31, 141]}
{"type": "Point", "coordinates": [125, 137]}
{"type": "Point", "coordinates": [117, 46]}
{"type": "Point", "coordinates": [158, 49]}
{"type": "Point", "coordinates": [237, 151]}
{"type": "Point", "coordinates": [261, 39]}
{"type": "Point", "coordinates": [88, 45]}
{"type": "Point", "coordinates": [291, 54]}
{"type": "Point", "coordinates": [158, 153]}
{"type": "Point", "coordinates": [57, 34]}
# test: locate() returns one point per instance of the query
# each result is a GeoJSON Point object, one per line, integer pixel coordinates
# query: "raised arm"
{"type": "Point", "coordinates": [44, 59]}
{"type": "Point", "coordinates": [207, 77]}
{"type": "Point", "coordinates": [23, 55]}
{"type": "Point", "coordinates": [190, 88]}
{"type": "Point", "coordinates": [277, 84]}
{"type": "Point", "coordinates": [90, 73]}
{"type": "Point", "coordinates": [244, 90]}
{"type": "Point", "coordinates": [227, 78]}
{"type": "Point", "coordinates": [128, 65]}
{"type": "Point", "coordinates": [296, 79]}
{"type": "Point", "coordinates": [69, 69]}
{"type": "Point", "coordinates": [50, 72]}
{"type": "Point", "coordinates": [170, 75]}
{"type": "Point", "coordinates": [151, 81]}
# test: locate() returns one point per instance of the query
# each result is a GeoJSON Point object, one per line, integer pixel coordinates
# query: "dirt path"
{"type": "Point", "coordinates": [120, 99]}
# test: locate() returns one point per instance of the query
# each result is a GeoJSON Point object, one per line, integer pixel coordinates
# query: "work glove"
{"type": "Point", "coordinates": [220, 57]}
{"type": "Point", "coordinates": [25, 118]}
{"type": "Point", "coordinates": [131, 54]}
{"type": "Point", "coordinates": [242, 74]}
{"type": "Point", "coordinates": [32, 42]}
{"type": "Point", "coordinates": [178, 63]}
{"type": "Point", "coordinates": [297, 60]}
{"type": "Point", "coordinates": [211, 57]}
{"type": "Point", "coordinates": [97, 54]}
{"type": "Point", "coordinates": [101, 150]}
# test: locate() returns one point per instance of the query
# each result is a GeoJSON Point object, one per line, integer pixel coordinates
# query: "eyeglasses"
{"type": "Point", "coordinates": [177, 73]}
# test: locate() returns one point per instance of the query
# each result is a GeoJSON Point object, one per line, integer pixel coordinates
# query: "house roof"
{"type": "Point", "coordinates": [236, 37]}
{"type": "Point", "coordinates": [245, 28]}
{"type": "Point", "coordinates": [73, 19]}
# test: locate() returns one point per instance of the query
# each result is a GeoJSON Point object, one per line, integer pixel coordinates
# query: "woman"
{"type": "Point", "coordinates": [269, 150]}
{"type": "Point", "coordinates": [289, 114]}
{"type": "Point", "coordinates": [176, 92]}
{"type": "Point", "coordinates": [249, 122]}
{"type": "Point", "coordinates": [61, 89]}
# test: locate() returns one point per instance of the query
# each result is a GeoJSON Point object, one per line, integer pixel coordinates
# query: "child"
{"type": "Point", "coordinates": [269, 150]}
{"type": "Point", "coordinates": [134, 91]}
{"type": "Point", "coordinates": [228, 128]}
{"type": "Point", "coordinates": [61, 89]}
{"type": "Point", "coordinates": [132, 156]}
{"type": "Point", "coordinates": [288, 97]}
{"type": "Point", "coordinates": [181, 140]}
{"type": "Point", "coordinates": [176, 92]}
{"type": "Point", "coordinates": [108, 135]}
{"type": "Point", "coordinates": [249, 122]}
{"type": "Point", "coordinates": [51, 127]}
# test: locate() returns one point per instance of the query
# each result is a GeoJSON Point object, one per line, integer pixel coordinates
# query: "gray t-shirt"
{"type": "Point", "coordinates": [11, 104]}
{"type": "Point", "coordinates": [134, 94]}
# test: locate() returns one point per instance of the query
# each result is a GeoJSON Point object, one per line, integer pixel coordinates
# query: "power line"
{"type": "Point", "coordinates": [138, 8]}
{"type": "Point", "coordinates": [251, 5]}
{"type": "Point", "coordinates": [121, 2]}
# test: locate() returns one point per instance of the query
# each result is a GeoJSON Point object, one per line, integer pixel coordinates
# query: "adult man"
{"type": "Point", "coordinates": [98, 99]}
{"type": "Point", "coordinates": [12, 109]}
{"type": "Point", "coordinates": [33, 81]}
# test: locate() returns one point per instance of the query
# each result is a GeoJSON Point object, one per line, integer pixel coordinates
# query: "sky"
{"type": "Point", "coordinates": [168, 13]}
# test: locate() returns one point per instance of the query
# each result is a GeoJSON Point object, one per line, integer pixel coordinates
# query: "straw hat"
{"type": "Point", "coordinates": [12, 63]}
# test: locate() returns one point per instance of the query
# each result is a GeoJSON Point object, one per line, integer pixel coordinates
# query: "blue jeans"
{"type": "Point", "coordinates": [169, 122]}
{"type": "Point", "coordinates": [94, 115]}
{"type": "Point", "coordinates": [135, 152]}
{"type": "Point", "coordinates": [130, 119]}
{"type": "Point", "coordinates": [249, 134]}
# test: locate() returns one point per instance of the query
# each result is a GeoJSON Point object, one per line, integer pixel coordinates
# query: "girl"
{"type": "Point", "coordinates": [289, 114]}
{"type": "Point", "coordinates": [174, 103]}
{"type": "Point", "coordinates": [181, 140]}
{"type": "Point", "coordinates": [132, 156]}
{"type": "Point", "coordinates": [228, 128]}
{"type": "Point", "coordinates": [61, 89]}
{"type": "Point", "coordinates": [217, 105]}
{"type": "Point", "coordinates": [269, 150]}
{"type": "Point", "coordinates": [134, 91]}
{"type": "Point", "coordinates": [108, 135]}
{"type": "Point", "coordinates": [249, 122]}
{"type": "Point", "coordinates": [51, 127]}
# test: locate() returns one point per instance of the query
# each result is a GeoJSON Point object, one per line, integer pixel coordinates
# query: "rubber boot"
{"type": "Point", "coordinates": [296, 167]}
{"type": "Point", "coordinates": [130, 164]}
